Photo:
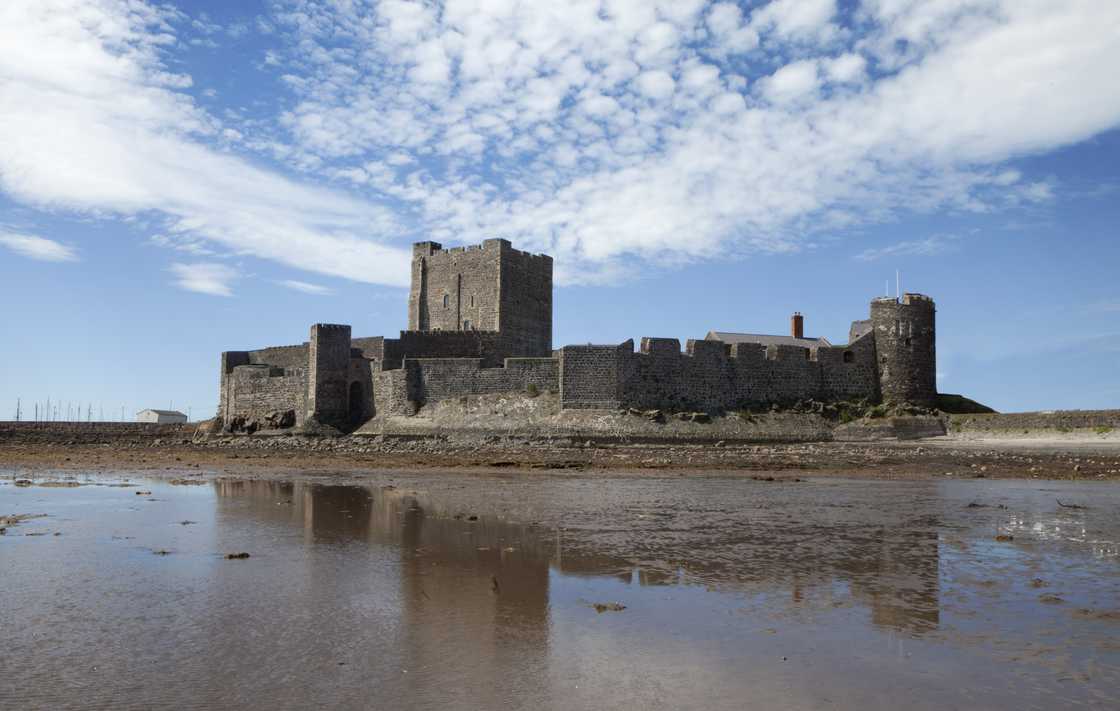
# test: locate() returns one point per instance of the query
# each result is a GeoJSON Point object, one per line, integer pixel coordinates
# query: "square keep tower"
{"type": "Point", "coordinates": [487, 287]}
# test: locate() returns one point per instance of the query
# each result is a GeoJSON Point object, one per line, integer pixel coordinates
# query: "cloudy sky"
{"type": "Point", "coordinates": [182, 178]}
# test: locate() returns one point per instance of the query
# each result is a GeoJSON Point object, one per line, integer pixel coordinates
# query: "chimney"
{"type": "Point", "coordinates": [797, 325]}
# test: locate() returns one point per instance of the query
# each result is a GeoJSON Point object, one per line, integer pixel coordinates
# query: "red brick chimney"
{"type": "Point", "coordinates": [797, 325]}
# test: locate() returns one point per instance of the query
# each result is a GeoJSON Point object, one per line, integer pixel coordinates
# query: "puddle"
{"type": "Point", "coordinates": [668, 593]}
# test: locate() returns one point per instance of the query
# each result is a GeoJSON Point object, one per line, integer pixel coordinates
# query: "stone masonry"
{"type": "Point", "coordinates": [492, 287]}
{"type": "Point", "coordinates": [480, 322]}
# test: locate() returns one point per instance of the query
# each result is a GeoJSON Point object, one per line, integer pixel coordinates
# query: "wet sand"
{"type": "Point", "coordinates": [415, 589]}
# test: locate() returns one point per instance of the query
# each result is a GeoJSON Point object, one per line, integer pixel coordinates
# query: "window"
{"type": "Point", "coordinates": [909, 343]}
{"type": "Point", "coordinates": [472, 299]}
{"type": "Point", "coordinates": [466, 325]}
{"type": "Point", "coordinates": [849, 357]}
{"type": "Point", "coordinates": [446, 301]}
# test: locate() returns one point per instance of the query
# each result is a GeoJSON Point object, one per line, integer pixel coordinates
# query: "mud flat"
{"type": "Point", "coordinates": [557, 590]}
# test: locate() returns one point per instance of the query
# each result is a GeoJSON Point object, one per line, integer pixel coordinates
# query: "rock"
{"type": "Point", "coordinates": [602, 607]}
{"type": "Point", "coordinates": [278, 420]}
{"type": "Point", "coordinates": [236, 556]}
{"type": "Point", "coordinates": [1004, 538]}
{"type": "Point", "coordinates": [700, 417]}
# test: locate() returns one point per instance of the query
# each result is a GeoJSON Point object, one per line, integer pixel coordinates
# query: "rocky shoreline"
{"type": "Point", "coordinates": [485, 435]}
{"type": "Point", "coordinates": [277, 456]}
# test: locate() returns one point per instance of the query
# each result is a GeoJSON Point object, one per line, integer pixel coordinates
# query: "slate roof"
{"type": "Point", "coordinates": [766, 340]}
{"type": "Point", "coordinates": [166, 412]}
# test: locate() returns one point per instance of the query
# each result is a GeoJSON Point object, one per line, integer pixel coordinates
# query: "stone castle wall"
{"type": "Point", "coordinates": [591, 376]}
{"type": "Point", "coordinates": [439, 379]}
{"type": "Point", "coordinates": [280, 356]}
{"type": "Point", "coordinates": [424, 380]}
{"type": "Point", "coordinates": [525, 317]}
{"type": "Point", "coordinates": [372, 347]}
{"type": "Point", "coordinates": [711, 375]}
{"type": "Point", "coordinates": [256, 383]}
{"type": "Point", "coordinates": [492, 347]}
{"type": "Point", "coordinates": [259, 390]}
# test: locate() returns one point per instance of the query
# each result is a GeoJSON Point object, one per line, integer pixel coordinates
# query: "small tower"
{"type": "Point", "coordinates": [905, 347]}
{"type": "Point", "coordinates": [328, 373]}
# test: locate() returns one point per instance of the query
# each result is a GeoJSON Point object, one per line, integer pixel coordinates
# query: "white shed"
{"type": "Point", "coordinates": [162, 417]}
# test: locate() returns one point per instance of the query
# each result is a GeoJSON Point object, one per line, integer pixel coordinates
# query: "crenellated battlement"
{"type": "Point", "coordinates": [497, 244]}
{"type": "Point", "coordinates": [713, 375]}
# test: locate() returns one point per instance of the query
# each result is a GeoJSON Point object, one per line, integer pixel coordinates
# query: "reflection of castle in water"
{"type": "Point", "coordinates": [493, 576]}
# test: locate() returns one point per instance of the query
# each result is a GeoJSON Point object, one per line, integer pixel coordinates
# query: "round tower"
{"type": "Point", "coordinates": [905, 346]}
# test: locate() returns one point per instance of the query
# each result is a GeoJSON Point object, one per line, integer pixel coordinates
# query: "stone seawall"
{"type": "Point", "coordinates": [50, 433]}
{"type": "Point", "coordinates": [1055, 423]}
{"type": "Point", "coordinates": [541, 419]}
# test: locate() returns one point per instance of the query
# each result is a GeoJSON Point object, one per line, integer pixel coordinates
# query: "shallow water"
{"type": "Point", "coordinates": [738, 594]}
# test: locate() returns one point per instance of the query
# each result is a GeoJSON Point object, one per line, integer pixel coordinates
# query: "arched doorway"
{"type": "Point", "coordinates": [357, 402]}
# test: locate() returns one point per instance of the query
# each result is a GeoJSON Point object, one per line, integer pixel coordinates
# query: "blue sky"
{"type": "Point", "coordinates": [185, 178]}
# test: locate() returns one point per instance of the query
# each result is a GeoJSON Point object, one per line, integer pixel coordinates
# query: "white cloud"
{"type": "Point", "coordinates": [928, 247]}
{"type": "Point", "coordinates": [656, 84]}
{"type": "Point", "coordinates": [556, 145]}
{"type": "Point", "coordinates": [730, 33]}
{"type": "Point", "coordinates": [796, 18]}
{"type": "Point", "coordinates": [313, 289]}
{"type": "Point", "coordinates": [92, 122]}
{"type": "Point", "coordinates": [846, 68]}
{"type": "Point", "coordinates": [610, 135]}
{"type": "Point", "coordinates": [190, 244]}
{"type": "Point", "coordinates": [205, 277]}
{"type": "Point", "coordinates": [35, 247]}
{"type": "Point", "coordinates": [797, 80]}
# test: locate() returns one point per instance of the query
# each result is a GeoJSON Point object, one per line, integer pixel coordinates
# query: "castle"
{"type": "Point", "coordinates": [480, 321]}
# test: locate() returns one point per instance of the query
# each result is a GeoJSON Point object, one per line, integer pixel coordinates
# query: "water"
{"type": "Point", "coordinates": [824, 594]}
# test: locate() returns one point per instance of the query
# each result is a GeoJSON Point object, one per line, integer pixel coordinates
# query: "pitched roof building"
{"type": "Point", "coordinates": [766, 340]}
{"type": "Point", "coordinates": [796, 336]}
{"type": "Point", "coordinates": [162, 417]}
